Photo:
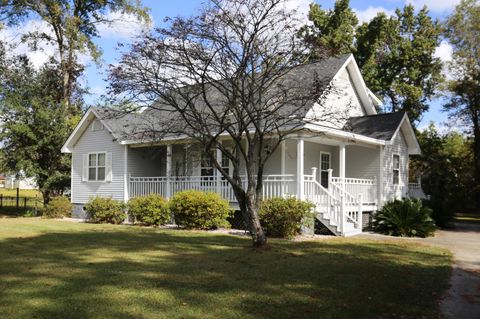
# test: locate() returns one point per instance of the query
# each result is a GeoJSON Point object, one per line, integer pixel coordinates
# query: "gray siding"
{"type": "Point", "coordinates": [97, 141]}
{"type": "Point", "coordinates": [362, 162]}
{"type": "Point", "coordinates": [398, 146]}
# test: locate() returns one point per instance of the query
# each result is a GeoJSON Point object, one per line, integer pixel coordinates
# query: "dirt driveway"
{"type": "Point", "coordinates": [463, 298]}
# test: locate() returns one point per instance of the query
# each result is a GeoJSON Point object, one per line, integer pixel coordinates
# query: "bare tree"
{"type": "Point", "coordinates": [234, 72]}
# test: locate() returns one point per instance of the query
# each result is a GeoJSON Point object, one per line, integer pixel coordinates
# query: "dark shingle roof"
{"type": "Point", "coordinates": [133, 126]}
{"type": "Point", "coordinates": [379, 126]}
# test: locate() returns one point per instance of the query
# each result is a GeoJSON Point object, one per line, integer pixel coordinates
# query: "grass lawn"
{"type": "Point", "coordinates": [22, 192]}
{"type": "Point", "coordinates": [56, 269]}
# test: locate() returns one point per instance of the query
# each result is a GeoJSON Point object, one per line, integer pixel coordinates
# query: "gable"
{"type": "Point", "coordinates": [348, 97]}
{"type": "Point", "coordinates": [89, 122]}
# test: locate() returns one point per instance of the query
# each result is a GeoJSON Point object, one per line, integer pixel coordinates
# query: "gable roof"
{"type": "Point", "coordinates": [130, 128]}
{"type": "Point", "coordinates": [385, 126]}
{"type": "Point", "coordinates": [380, 126]}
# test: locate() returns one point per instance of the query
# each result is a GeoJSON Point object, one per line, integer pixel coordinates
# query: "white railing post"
{"type": "Point", "coordinates": [314, 173]}
{"type": "Point", "coordinates": [330, 173]}
{"type": "Point", "coordinates": [360, 212]}
{"type": "Point", "coordinates": [168, 171]}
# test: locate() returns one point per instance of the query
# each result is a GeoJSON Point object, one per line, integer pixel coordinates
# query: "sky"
{"type": "Point", "coordinates": [125, 29]}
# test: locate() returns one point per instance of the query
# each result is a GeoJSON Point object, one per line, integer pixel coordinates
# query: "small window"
{"type": "Point", "coordinates": [97, 125]}
{"type": "Point", "coordinates": [396, 169]}
{"type": "Point", "coordinates": [96, 166]}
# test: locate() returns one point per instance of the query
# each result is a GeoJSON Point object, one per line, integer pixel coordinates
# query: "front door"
{"type": "Point", "coordinates": [325, 165]}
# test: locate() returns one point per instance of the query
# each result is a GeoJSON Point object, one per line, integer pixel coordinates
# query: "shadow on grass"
{"type": "Point", "coordinates": [173, 274]}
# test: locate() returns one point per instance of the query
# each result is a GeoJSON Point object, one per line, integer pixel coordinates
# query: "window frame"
{"type": "Point", "coordinates": [396, 170]}
{"type": "Point", "coordinates": [97, 166]}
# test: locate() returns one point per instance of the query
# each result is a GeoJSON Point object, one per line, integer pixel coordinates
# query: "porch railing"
{"type": "Point", "coordinates": [415, 190]}
{"type": "Point", "coordinates": [273, 185]}
{"type": "Point", "coordinates": [359, 186]}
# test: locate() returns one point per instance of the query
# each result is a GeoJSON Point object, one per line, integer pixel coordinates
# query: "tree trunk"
{"type": "Point", "coordinates": [249, 210]}
{"type": "Point", "coordinates": [258, 235]}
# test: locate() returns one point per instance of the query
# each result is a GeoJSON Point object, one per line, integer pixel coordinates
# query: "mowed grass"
{"type": "Point", "coordinates": [59, 269]}
{"type": "Point", "coordinates": [12, 192]}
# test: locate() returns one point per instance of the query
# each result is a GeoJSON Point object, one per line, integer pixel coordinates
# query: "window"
{"type": "Point", "coordinates": [396, 169]}
{"type": "Point", "coordinates": [324, 167]}
{"type": "Point", "coordinates": [206, 167]}
{"type": "Point", "coordinates": [96, 166]}
{"type": "Point", "coordinates": [97, 125]}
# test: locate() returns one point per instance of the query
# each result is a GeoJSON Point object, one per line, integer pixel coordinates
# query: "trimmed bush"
{"type": "Point", "coordinates": [283, 217]}
{"type": "Point", "coordinates": [407, 218]}
{"type": "Point", "coordinates": [200, 210]}
{"type": "Point", "coordinates": [58, 207]}
{"type": "Point", "coordinates": [149, 210]}
{"type": "Point", "coordinates": [105, 210]}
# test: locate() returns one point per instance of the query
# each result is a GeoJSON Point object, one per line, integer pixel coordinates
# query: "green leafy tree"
{"type": "Point", "coordinates": [34, 125]}
{"type": "Point", "coordinates": [445, 167]}
{"type": "Point", "coordinates": [331, 32]}
{"type": "Point", "coordinates": [463, 32]}
{"type": "Point", "coordinates": [74, 25]}
{"type": "Point", "coordinates": [396, 54]}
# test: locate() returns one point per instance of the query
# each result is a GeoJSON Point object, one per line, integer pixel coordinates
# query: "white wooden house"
{"type": "Point", "coordinates": [348, 170]}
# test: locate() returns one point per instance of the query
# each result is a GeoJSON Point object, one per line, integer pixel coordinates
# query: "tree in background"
{"type": "Point", "coordinates": [34, 125]}
{"type": "Point", "coordinates": [463, 33]}
{"type": "Point", "coordinates": [445, 168]}
{"type": "Point", "coordinates": [395, 54]}
{"type": "Point", "coordinates": [332, 32]}
{"type": "Point", "coordinates": [74, 24]}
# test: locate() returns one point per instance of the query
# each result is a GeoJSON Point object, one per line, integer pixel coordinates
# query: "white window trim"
{"type": "Point", "coordinates": [399, 169]}
{"type": "Point", "coordinates": [329, 159]}
{"type": "Point", "coordinates": [96, 168]}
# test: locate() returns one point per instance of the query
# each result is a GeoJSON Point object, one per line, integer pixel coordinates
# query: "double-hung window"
{"type": "Point", "coordinates": [96, 166]}
{"type": "Point", "coordinates": [396, 169]}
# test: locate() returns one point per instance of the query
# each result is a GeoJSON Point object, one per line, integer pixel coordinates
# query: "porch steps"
{"type": "Point", "coordinates": [325, 219]}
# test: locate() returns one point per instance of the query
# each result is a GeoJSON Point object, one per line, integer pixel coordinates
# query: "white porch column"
{"type": "Point", "coordinates": [341, 171]}
{"type": "Point", "coordinates": [126, 176]}
{"type": "Point", "coordinates": [300, 170]}
{"type": "Point", "coordinates": [168, 170]}
{"type": "Point", "coordinates": [341, 158]}
{"type": "Point", "coordinates": [218, 157]}
{"type": "Point", "coordinates": [381, 178]}
{"type": "Point", "coordinates": [282, 160]}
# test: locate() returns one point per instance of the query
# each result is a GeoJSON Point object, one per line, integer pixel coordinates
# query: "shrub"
{"type": "Point", "coordinates": [283, 217]}
{"type": "Point", "coordinates": [407, 217]}
{"type": "Point", "coordinates": [199, 210]}
{"type": "Point", "coordinates": [149, 210]}
{"type": "Point", "coordinates": [105, 210]}
{"type": "Point", "coordinates": [58, 207]}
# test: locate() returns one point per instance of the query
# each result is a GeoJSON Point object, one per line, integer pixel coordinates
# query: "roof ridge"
{"type": "Point", "coordinates": [379, 114]}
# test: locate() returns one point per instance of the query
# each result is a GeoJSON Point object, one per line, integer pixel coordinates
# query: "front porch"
{"type": "Point", "coordinates": [308, 168]}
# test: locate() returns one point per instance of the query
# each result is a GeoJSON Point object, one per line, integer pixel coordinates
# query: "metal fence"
{"type": "Point", "coordinates": [20, 205]}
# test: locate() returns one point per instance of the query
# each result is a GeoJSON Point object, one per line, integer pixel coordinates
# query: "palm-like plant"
{"type": "Point", "coordinates": [407, 217]}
